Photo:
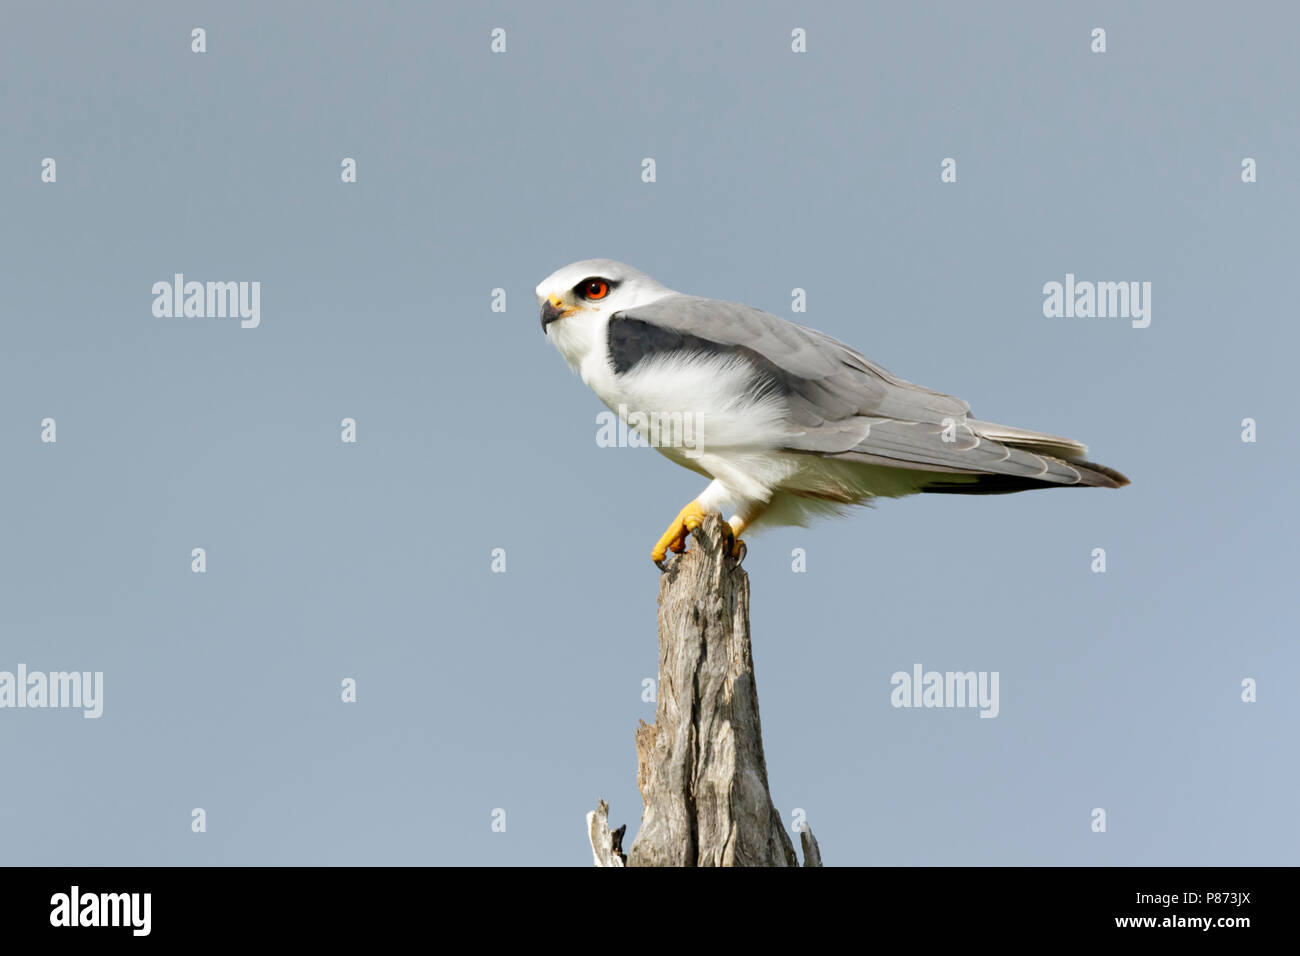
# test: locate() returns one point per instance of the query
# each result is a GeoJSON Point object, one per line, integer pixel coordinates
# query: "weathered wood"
{"type": "Point", "coordinates": [700, 766]}
{"type": "Point", "coordinates": [812, 853]}
{"type": "Point", "coordinates": [606, 847]}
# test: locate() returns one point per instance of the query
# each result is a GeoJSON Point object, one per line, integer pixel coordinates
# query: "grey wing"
{"type": "Point", "coordinates": [845, 406]}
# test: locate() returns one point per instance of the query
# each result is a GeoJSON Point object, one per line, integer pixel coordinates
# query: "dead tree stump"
{"type": "Point", "coordinates": [700, 766]}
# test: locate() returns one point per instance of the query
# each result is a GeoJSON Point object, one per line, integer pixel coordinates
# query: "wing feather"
{"type": "Point", "coordinates": [842, 405]}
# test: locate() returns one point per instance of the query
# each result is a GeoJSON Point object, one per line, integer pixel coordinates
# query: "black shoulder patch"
{"type": "Point", "coordinates": [632, 340]}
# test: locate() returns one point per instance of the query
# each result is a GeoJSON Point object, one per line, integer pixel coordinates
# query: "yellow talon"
{"type": "Point", "coordinates": [688, 519]}
{"type": "Point", "coordinates": [738, 547]}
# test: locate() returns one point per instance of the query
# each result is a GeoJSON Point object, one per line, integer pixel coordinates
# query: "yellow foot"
{"type": "Point", "coordinates": [738, 547]}
{"type": "Point", "coordinates": [688, 519]}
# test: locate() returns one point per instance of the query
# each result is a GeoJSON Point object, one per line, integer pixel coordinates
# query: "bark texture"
{"type": "Point", "coordinates": [700, 766]}
{"type": "Point", "coordinates": [606, 846]}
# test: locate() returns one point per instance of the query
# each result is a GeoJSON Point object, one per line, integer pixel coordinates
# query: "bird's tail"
{"type": "Point", "coordinates": [1091, 475]}
{"type": "Point", "coordinates": [1065, 454]}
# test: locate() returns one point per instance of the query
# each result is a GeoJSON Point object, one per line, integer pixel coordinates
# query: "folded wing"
{"type": "Point", "coordinates": [844, 406]}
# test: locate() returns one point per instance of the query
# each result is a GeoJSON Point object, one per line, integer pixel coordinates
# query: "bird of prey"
{"type": "Point", "coordinates": [792, 423]}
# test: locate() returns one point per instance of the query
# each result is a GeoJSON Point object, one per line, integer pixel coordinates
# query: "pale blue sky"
{"type": "Point", "coordinates": [522, 690]}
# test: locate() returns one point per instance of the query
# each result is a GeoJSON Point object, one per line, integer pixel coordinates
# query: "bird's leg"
{"type": "Point", "coordinates": [739, 522]}
{"type": "Point", "coordinates": [688, 519]}
{"type": "Point", "coordinates": [735, 547]}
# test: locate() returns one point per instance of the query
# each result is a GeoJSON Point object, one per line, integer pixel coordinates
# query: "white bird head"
{"type": "Point", "coordinates": [577, 300]}
{"type": "Point", "coordinates": [593, 289]}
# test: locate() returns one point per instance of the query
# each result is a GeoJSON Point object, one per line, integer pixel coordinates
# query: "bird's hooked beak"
{"type": "Point", "coordinates": [553, 309]}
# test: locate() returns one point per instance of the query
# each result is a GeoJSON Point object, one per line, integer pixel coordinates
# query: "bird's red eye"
{"type": "Point", "coordinates": [595, 289]}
